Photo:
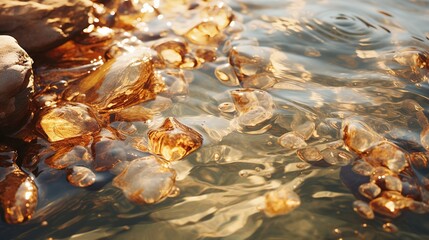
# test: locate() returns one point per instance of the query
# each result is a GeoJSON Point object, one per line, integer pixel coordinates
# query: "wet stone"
{"type": "Point", "coordinates": [172, 51]}
{"type": "Point", "coordinates": [358, 136]}
{"type": "Point", "coordinates": [69, 120]}
{"type": "Point", "coordinates": [18, 195]}
{"type": "Point", "coordinates": [16, 81]}
{"type": "Point", "coordinates": [66, 156]}
{"type": "Point", "coordinates": [393, 183]}
{"type": "Point", "coordinates": [363, 168]}
{"type": "Point", "coordinates": [363, 209]}
{"type": "Point", "coordinates": [336, 157]}
{"type": "Point", "coordinates": [204, 33]}
{"type": "Point", "coordinates": [226, 107]}
{"type": "Point", "coordinates": [108, 150]}
{"type": "Point", "coordinates": [146, 180]}
{"type": "Point", "coordinates": [378, 176]}
{"type": "Point", "coordinates": [369, 190]}
{"type": "Point", "coordinates": [226, 75]}
{"type": "Point", "coordinates": [386, 154]}
{"type": "Point", "coordinates": [174, 82]}
{"type": "Point", "coordinates": [310, 154]}
{"type": "Point", "coordinates": [385, 206]}
{"type": "Point", "coordinates": [42, 24]}
{"type": "Point", "coordinates": [306, 129]}
{"type": "Point", "coordinates": [123, 81]}
{"type": "Point", "coordinates": [254, 106]}
{"type": "Point", "coordinates": [280, 202]}
{"type": "Point", "coordinates": [291, 141]}
{"type": "Point", "coordinates": [174, 140]}
{"type": "Point", "coordinates": [217, 12]}
{"type": "Point", "coordinates": [390, 228]}
{"type": "Point", "coordinates": [79, 176]}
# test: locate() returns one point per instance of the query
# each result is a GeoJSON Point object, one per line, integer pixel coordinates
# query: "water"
{"type": "Point", "coordinates": [320, 62]}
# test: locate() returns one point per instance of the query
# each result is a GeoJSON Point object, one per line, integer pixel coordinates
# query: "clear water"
{"type": "Point", "coordinates": [335, 52]}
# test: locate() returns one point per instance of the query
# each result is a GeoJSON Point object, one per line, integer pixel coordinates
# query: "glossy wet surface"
{"type": "Point", "coordinates": [266, 162]}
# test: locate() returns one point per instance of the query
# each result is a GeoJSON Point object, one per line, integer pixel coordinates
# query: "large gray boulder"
{"type": "Point", "coordinates": [42, 24]}
{"type": "Point", "coordinates": [16, 84]}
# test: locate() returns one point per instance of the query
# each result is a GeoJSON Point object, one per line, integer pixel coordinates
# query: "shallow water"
{"type": "Point", "coordinates": [333, 60]}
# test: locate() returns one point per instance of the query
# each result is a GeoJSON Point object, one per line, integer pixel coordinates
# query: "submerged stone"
{"type": "Point", "coordinates": [280, 202]}
{"type": "Point", "coordinates": [66, 121]}
{"type": "Point", "coordinates": [388, 155]}
{"type": "Point", "coordinates": [123, 81]}
{"type": "Point", "coordinates": [80, 176]}
{"type": "Point", "coordinates": [174, 140]}
{"type": "Point", "coordinates": [363, 209]}
{"type": "Point", "coordinates": [291, 141]}
{"type": "Point", "coordinates": [358, 136]}
{"type": "Point", "coordinates": [146, 180]}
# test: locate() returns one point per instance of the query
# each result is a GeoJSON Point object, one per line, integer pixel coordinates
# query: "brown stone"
{"type": "Point", "coordinates": [16, 83]}
{"type": "Point", "coordinates": [42, 24]}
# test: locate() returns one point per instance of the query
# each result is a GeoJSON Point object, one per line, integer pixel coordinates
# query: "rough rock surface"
{"type": "Point", "coordinates": [16, 83]}
{"type": "Point", "coordinates": [42, 24]}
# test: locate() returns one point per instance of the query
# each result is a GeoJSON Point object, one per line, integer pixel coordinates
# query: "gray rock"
{"type": "Point", "coordinates": [16, 83]}
{"type": "Point", "coordinates": [42, 24]}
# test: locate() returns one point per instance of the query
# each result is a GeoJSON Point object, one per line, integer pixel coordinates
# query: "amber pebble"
{"type": "Point", "coordinates": [291, 141]}
{"type": "Point", "coordinates": [172, 51]}
{"type": "Point", "coordinates": [146, 180]}
{"type": "Point", "coordinates": [400, 201]}
{"type": "Point", "coordinates": [174, 140]}
{"type": "Point", "coordinates": [280, 202]}
{"type": "Point", "coordinates": [66, 156]}
{"type": "Point", "coordinates": [204, 33]}
{"type": "Point", "coordinates": [378, 176]}
{"type": "Point", "coordinates": [218, 12]}
{"type": "Point", "coordinates": [390, 228]}
{"type": "Point", "coordinates": [386, 154]}
{"type": "Point", "coordinates": [206, 54]}
{"type": "Point", "coordinates": [309, 154]}
{"type": "Point", "coordinates": [226, 75]}
{"type": "Point", "coordinates": [79, 176]}
{"type": "Point", "coordinates": [18, 195]}
{"type": "Point", "coordinates": [108, 150]}
{"type": "Point", "coordinates": [260, 81]}
{"type": "Point", "coordinates": [363, 209]}
{"type": "Point", "coordinates": [358, 136]}
{"type": "Point", "coordinates": [226, 107]}
{"type": "Point", "coordinates": [254, 106]}
{"type": "Point", "coordinates": [123, 81]}
{"type": "Point", "coordinates": [393, 183]}
{"type": "Point", "coordinates": [249, 61]}
{"type": "Point", "coordinates": [385, 206]}
{"type": "Point", "coordinates": [336, 157]}
{"type": "Point", "coordinates": [66, 121]}
{"type": "Point", "coordinates": [369, 190]}
{"type": "Point", "coordinates": [362, 168]}
{"type": "Point", "coordinates": [424, 137]}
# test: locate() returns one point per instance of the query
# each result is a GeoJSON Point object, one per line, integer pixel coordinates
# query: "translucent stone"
{"type": "Point", "coordinates": [66, 121]}
{"type": "Point", "coordinates": [291, 141]}
{"type": "Point", "coordinates": [393, 183]}
{"type": "Point", "coordinates": [385, 206]}
{"type": "Point", "coordinates": [174, 140]}
{"type": "Point", "coordinates": [226, 107]}
{"type": "Point", "coordinates": [386, 154]}
{"type": "Point", "coordinates": [226, 75]}
{"type": "Point", "coordinates": [414, 65]}
{"type": "Point", "coordinates": [358, 136]}
{"type": "Point", "coordinates": [18, 195]}
{"type": "Point", "coordinates": [309, 154]}
{"type": "Point", "coordinates": [253, 106]}
{"type": "Point", "coordinates": [66, 156]}
{"type": "Point", "coordinates": [249, 61]}
{"type": "Point", "coordinates": [369, 190]}
{"type": "Point", "coordinates": [401, 202]}
{"type": "Point", "coordinates": [362, 168]}
{"type": "Point", "coordinates": [204, 33]}
{"type": "Point", "coordinates": [424, 137]}
{"type": "Point", "coordinates": [336, 157]}
{"type": "Point", "coordinates": [363, 209]}
{"type": "Point", "coordinates": [306, 129]}
{"type": "Point", "coordinates": [108, 151]}
{"type": "Point", "coordinates": [123, 81]}
{"type": "Point", "coordinates": [219, 13]}
{"type": "Point", "coordinates": [145, 180]}
{"type": "Point", "coordinates": [175, 83]}
{"type": "Point", "coordinates": [172, 51]}
{"type": "Point", "coordinates": [390, 228]}
{"type": "Point", "coordinates": [280, 202]}
{"type": "Point", "coordinates": [379, 175]}
{"type": "Point", "coordinates": [206, 54]}
{"type": "Point", "coordinates": [260, 81]}
{"type": "Point", "coordinates": [79, 176]}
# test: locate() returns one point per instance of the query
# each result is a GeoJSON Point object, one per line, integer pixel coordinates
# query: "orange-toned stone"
{"type": "Point", "coordinates": [280, 202]}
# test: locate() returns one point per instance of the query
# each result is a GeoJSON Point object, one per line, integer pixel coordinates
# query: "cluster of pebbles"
{"type": "Point", "coordinates": [105, 70]}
